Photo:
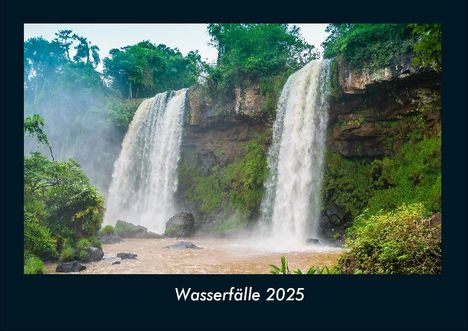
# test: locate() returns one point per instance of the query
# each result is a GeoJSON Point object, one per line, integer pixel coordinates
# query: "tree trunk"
{"type": "Point", "coordinates": [130, 90]}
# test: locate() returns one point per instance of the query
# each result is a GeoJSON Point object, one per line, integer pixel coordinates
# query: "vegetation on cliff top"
{"type": "Point", "coordinates": [251, 51]}
{"type": "Point", "coordinates": [374, 46]}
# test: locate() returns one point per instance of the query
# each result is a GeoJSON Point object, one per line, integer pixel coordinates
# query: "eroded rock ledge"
{"type": "Point", "coordinates": [376, 112]}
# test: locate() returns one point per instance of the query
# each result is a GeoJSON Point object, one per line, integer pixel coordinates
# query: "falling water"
{"type": "Point", "coordinates": [292, 200]}
{"type": "Point", "coordinates": [144, 178]}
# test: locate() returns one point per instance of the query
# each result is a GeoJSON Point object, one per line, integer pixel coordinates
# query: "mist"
{"type": "Point", "coordinates": [78, 126]}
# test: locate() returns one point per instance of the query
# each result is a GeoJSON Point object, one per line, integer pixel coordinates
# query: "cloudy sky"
{"type": "Point", "coordinates": [185, 37]}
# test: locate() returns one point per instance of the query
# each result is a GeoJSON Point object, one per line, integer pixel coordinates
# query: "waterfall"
{"type": "Point", "coordinates": [292, 192]}
{"type": "Point", "coordinates": [144, 178]}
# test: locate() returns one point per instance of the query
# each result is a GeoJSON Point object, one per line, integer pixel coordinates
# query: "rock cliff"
{"type": "Point", "coordinates": [374, 113]}
{"type": "Point", "coordinates": [371, 115]}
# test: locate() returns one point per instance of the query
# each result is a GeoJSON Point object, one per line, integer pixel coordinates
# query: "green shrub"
{"type": "Point", "coordinates": [38, 239]}
{"type": "Point", "coordinates": [395, 242]}
{"type": "Point", "coordinates": [83, 244]}
{"type": "Point", "coordinates": [71, 207]}
{"type": "Point", "coordinates": [412, 175]}
{"type": "Point", "coordinates": [283, 269]}
{"type": "Point", "coordinates": [32, 265]}
{"type": "Point", "coordinates": [250, 51]}
{"type": "Point", "coordinates": [68, 253]}
{"type": "Point", "coordinates": [95, 242]}
{"type": "Point", "coordinates": [107, 230]}
{"type": "Point", "coordinates": [367, 45]}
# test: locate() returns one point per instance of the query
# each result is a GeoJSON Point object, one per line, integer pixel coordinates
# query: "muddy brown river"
{"type": "Point", "coordinates": [216, 256]}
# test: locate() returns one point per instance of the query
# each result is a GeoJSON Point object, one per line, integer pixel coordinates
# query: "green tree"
{"type": "Point", "coordinates": [144, 69]}
{"type": "Point", "coordinates": [42, 60]}
{"type": "Point", "coordinates": [367, 45]}
{"type": "Point", "coordinates": [86, 51]}
{"type": "Point", "coordinates": [60, 197]}
{"type": "Point", "coordinates": [428, 45]}
{"type": "Point", "coordinates": [65, 39]}
{"type": "Point", "coordinates": [34, 126]}
{"type": "Point", "coordinates": [253, 50]}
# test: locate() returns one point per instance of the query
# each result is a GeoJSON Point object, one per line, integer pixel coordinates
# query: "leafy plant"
{"type": "Point", "coordinates": [250, 51]}
{"type": "Point", "coordinates": [283, 269]}
{"type": "Point", "coordinates": [428, 45]}
{"type": "Point", "coordinates": [372, 46]}
{"type": "Point", "coordinates": [32, 265]}
{"type": "Point", "coordinates": [314, 270]}
{"type": "Point", "coordinates": [397, 242]}
{"type": "Point", "coordinates": [34, 126]}
{"type": "Point", "coordinates": [37, 238]}
{"type": "Point", "coordinates": [107, 230]}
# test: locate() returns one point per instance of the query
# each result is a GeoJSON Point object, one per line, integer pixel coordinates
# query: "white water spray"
{"type": "Point", "coordinates": [292, 199]}
{"type": "Point", "coordinates": [145, 178]}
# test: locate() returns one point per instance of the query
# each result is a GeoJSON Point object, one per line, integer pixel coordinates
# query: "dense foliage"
{"type": "Point", "coordinates": [428, 45]}
{"type": "Point", "coordinates": [145, 69]}
{"type": "Point", "coordinates": [374, 46]}
{"type": "Point", "coordinates": [61, 207]}
{"type": "Point", "coordinates": [412, 175]}
{"type": "Point", "coordinates": [402, 241]}
{"type": "Point", "coordinates": [369, 45]}
{"type": "Point", "coordinates": [250, 51]}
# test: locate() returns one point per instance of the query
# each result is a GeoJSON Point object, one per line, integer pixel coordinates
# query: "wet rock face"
{"type": "Point", "coordinates": [379, 111]}
{"type": "Point", "coordinates": [218, 144]}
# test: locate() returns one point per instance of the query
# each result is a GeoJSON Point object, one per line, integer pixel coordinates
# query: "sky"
{"type": "Point", "coordinates": [185, 37]}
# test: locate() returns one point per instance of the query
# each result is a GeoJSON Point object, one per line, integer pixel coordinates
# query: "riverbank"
{"type": "Point", "coordinates": [216, 256]}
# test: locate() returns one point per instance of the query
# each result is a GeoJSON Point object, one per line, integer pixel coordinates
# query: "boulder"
{"type": "Point", "coordinates": [129, 230]}
{"type": "Point", "coordinates": [312, 241]}
{"type": "Point", "coordinates": [183, 245]}
{"type": "Point", "coordinates": [73, 266]}
{"type": "Point", "coordinates": [180, 225]}
{"type": "Point", "coordinates": [115, 262]}
{"type": "Point", "coordinates": [94, 254]}
{"type": "Point", "coordinates": [124, 256]}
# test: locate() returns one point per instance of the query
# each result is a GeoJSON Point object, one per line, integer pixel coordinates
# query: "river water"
{"type": "Point", "coordinates": [216, 256]}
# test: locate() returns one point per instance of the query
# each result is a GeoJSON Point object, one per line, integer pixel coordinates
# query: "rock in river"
{"type": "Point", "coordinates": [73, 266]}
{"type": "Point", "coordinates": [130, 230]}
{"type": "Point", "coordinates": [124, 256]}
{"type": "Point", "coordinates": [180, 225]}
{"type": "Point", "coordinates": [183, 245]}
{"type": "Point", "coordinates": [94, 254]}
{"type": "Point", "coordinates": [111, 238]}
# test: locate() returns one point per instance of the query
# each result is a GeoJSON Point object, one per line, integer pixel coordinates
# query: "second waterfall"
{"type": "Point", "coordinates": [145, 177]}
{"type": "Point", "coordinates": [292, 199]}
